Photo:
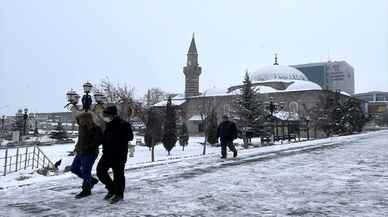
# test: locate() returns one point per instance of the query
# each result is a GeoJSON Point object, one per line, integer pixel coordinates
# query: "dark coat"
{"type": "Point", "coordinates": [227, 131]}
{"type": "Point", "coordinates": [88, 140]}
{"type": "Point", "coordinates": [117, 134]}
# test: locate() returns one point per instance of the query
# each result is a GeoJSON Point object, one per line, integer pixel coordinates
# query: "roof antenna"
{"type": "Point", "coordinates": [276, 60]}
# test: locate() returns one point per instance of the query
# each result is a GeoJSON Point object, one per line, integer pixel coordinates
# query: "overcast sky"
{"type": "Point", "coordinates": [48, 47]}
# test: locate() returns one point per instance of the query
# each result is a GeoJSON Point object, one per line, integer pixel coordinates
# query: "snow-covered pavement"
{"type": "Point", "coordinates": [342, 176]}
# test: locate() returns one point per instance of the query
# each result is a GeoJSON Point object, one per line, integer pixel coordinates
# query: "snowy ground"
{"type": "Point", "coordinates": [341, 176]}
{"type": "Point", "coordinates": [142, 156]}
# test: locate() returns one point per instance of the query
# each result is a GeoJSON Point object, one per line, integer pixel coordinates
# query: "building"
{"type": "Point", "coordinates": [337, 75]}
{"type": "Point", "coordinates": [283, 85]}
{"type": "Point", "coordinates": [45, 121]}
{"type": "Point", "coordinates": [373, 96]}
{"type": "Point", "coordinates": [377, 105]}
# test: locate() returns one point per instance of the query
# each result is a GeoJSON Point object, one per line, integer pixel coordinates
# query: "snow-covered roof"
{"type": "Point", "coordinates": [286, 86]}
{"type": "Point", "coordinates": [215, 92]}
{"type": "Point", "coordinates": [345, 93]}
{"type": "Point", "coordinates": [175, 102]}
{"type": "Point", "coordinates": [211, 92]}
{"type": "Point", "coordinates": [299, 85]}
{"type": "Point", "coordinates": [196, 118]}
{"type": "Point", "coordinates": [276, 72]}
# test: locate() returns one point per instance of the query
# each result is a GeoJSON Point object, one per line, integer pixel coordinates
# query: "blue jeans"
{"type": "Point", "coordinates": [82, 166]}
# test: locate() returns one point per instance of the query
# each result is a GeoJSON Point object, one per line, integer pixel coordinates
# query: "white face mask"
{"type": "Point", "coordinates": [107, 119]}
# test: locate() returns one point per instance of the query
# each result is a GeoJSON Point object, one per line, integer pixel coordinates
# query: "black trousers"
{"type": "Point", "coordinates": [117, 164]}
{"type": "Point", "coordinates": [230, 145]}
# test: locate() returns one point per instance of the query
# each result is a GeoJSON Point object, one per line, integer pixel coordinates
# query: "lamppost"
{"type": "Point", "coordinates": [72, 98]}
{"type": "Point", "coordinates": [25, 117]}
{"type": "Point", "coordinates": [100, 100]}
{"type": "Point", "coordinates": [87, 99]}
{"type": "Point", "coordinates": [272, 107]}
{"type": "Point", "coordinates": [2, 124]}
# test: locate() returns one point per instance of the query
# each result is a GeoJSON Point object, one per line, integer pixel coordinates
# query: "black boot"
{"type": "Point", "coordinates": [116, 199]}
{"type": "Point", "coordinates": [235, 153]}
{"type": "Point", "coordinates": [108, 196]}
{"type": "Point", "coordinates": [94, 182]}
{"type": "Point", "coordinates": [84, 193]}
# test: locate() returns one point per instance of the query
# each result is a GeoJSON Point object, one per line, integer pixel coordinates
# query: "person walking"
{"type": "Point", "coordinates": [227, 132]}
{"type": "Point", "coordinates": [86, 149]}
{"type": "Point", "coordinates": [117, 134]}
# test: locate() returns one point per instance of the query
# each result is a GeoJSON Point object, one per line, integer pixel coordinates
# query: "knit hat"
{"type": "Point", "coordinates": [110, 110]}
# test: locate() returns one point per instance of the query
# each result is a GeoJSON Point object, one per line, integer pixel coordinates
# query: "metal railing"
{"type": "Point", "coordinates": [22, 158]}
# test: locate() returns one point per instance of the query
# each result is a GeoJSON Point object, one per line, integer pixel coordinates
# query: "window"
{"type": "Point", "coordinates": [293, 107]}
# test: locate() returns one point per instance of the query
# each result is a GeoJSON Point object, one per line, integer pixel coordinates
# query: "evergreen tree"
{"type": "Point", "coordinates": [153, 132]}
{"type": "Point", "coordinates": [249, 109]}
{"type": "Point", "coordinates": [328, 115]}
{"type": "Point", "coordinates": [212, 128]}
{"type": "Point", "coordinates": [353, 117]}
{"type": "Point", "coordinates": [169, 129]}
{"type": "Point", "coordinates": [183, 136]}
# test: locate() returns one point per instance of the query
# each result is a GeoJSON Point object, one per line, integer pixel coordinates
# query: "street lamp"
{"type": "Point", "coordinates": [87, 99]}
{"type": "Point", "coordinates": [99, 97]}
{"type": "Point", "coordinates": [2, 124]}
{"type": "Point", "coordinates": [25, 117]}
{"type": "Point", "coordinates": [72, 98]}
{"type": "Point", "coordinates": [272, 106]}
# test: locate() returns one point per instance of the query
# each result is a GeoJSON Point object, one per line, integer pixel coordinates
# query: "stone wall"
{"type": "Point", "coordinates": [300, 102]}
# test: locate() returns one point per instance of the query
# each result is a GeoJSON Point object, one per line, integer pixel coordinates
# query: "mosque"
{"type": "Point", "coordinates": [283, 85]}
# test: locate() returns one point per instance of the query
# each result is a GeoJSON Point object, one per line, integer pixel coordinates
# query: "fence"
{"type": "Point", "coordinates": [21, 158]}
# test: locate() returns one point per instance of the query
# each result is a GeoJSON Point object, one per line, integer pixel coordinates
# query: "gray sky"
{"type": "Point", "coordinates": [48, 47]}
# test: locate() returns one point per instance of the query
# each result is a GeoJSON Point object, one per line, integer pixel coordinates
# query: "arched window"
{"type": "Point", "coordinates": [293, 107]}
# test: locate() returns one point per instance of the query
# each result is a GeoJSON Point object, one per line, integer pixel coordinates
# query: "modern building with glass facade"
{"type": "Point", "coordinates": [377, 105]}
{"type": "Point", "coordinates": [331, 75]}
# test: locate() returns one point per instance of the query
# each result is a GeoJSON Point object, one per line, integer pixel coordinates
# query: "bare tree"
{"type": "Point", "coordinates": [120, 94]}
{"type": "Point", "coordinates": [154, 95]}
{"type": "Point", "coordinates": [115, 92]}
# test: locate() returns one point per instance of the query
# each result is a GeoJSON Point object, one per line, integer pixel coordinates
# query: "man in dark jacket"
{"type": "Point", "coordinates": [117, 134]}
{"type": "Point", "coordinates": [89, 138]}
{"type": "Point", "coordinates": [227, 132]}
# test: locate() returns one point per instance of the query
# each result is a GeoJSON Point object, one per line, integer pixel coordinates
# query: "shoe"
{"type": "Point", "coordinates": [84, 193]}
{"type": "Point", "coordinates": [116, 199]}
{"type": "Point", "coordinates": [223, 157]}
{"type": "Point", "coordinates": [108, 196]}
{"type": "Point", "coordinates": [235, 153]}
{"type": "Point", "coordinates": [94, 182]}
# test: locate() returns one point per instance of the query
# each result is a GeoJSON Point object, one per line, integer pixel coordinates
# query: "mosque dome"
{"type": "Point", "coordinates": [277, 77]}
{"type": "Point", "coordinates": [278, 72]}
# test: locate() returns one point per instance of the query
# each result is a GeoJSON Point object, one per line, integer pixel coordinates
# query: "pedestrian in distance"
{"type": "Point", "coordinates": [117, 134]}
{"type": "Point", "coordinates": [86, 149]}
{"type": "Point", "coordinates": [227, 132]}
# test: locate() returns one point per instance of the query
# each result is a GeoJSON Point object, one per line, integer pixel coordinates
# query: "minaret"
{"type": "Point", "coordinates": [276, 60]}
{"type": "Point", "coordinates": [192, 71]}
